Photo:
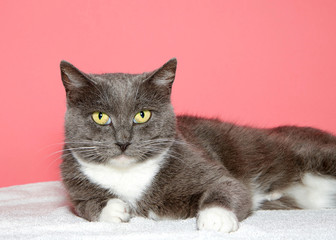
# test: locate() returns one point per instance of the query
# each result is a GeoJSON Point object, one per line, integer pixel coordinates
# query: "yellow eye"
{"type": "Point", "coordinates": [101, 118]}
{"type": "Point", "coordinates": [142, 116]}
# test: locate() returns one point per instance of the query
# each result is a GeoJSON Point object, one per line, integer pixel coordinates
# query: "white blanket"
{"type": "Point", "coordinates": [41, 211]}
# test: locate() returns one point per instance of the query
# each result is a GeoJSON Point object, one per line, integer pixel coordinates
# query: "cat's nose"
{"type": "Point", "coordinates": [123, 146]}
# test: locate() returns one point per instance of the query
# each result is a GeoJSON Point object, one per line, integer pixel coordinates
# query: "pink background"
{"type": "Point", "coordinates": [261, 63]}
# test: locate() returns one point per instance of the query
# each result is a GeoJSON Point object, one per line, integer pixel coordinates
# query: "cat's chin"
{"type": "Point", "coordinates": [122, 161]}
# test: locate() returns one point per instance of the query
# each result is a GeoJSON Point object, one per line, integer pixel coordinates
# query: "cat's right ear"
{"type": "Point", "coordinates": [73, 79]}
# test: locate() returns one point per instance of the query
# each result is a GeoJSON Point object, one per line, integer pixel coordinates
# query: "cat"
{"type": "Point", "coordinates": [127, 154]}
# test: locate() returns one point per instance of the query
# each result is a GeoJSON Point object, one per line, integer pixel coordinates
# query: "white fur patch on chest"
{"type": "Point", "coordinates": [128, 183]}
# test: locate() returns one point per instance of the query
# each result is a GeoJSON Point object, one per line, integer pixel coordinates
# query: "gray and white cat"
{"type": "Point", "coordinates": [126, 154]}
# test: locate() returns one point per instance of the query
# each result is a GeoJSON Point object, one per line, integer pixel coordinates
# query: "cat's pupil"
{"type": "Point", "coordinates": [100, 115]}
{"type": "Point", "coordinates": [142, 114]}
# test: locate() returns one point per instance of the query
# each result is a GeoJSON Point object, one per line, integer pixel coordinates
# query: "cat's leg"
{"type": "Point", "coordinates": [223, 206]}
{"type": "Point", "coordinates": [102, 210]}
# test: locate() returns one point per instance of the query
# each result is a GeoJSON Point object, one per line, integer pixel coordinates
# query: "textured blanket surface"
{"type": "Point", "coordinates": [42, 211]}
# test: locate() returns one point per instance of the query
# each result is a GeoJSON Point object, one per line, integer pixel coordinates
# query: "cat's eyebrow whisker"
{"type": "Point", "coordinates": [137, 91]}
{"type": "Point", "coordinates": [102, 94]}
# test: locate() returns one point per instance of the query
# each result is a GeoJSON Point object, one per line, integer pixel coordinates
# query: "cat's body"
{"type": "Point", "coordinates": [170, 167]}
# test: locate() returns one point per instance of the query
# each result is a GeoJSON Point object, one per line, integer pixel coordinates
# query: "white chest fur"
{"type": "Point", "coordinates": [128, 183]}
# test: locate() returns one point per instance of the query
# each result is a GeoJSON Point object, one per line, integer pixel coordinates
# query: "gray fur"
{"type": "Point", "coordinates": [210, 163]}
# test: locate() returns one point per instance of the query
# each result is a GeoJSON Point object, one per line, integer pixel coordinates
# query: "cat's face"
{"type": "Point", "coordinates": [118, 119]}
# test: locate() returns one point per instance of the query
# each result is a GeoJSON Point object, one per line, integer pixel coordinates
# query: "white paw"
{"type": "Point", "coordinates": [115, 211]}
{"type": "Point", "coordinates": [217, 219]}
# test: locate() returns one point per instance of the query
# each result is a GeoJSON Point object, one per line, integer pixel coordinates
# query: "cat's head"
{"type": "Point", "coordinates": [118, 118]}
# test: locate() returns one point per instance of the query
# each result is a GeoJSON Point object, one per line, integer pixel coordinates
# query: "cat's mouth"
{"type": "Point", "coordinates": [122, 161]}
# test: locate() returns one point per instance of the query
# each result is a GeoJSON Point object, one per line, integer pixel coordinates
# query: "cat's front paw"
{"type": "Point", "coordinates": [217, 219]}
{"type": "Point", "coordinates": [115, 211]}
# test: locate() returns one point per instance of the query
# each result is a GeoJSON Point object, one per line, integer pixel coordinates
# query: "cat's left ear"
{"type": "Point", "coordinates": [73, 79]}
{"type": "Point", "coordinates": [165, 75]}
